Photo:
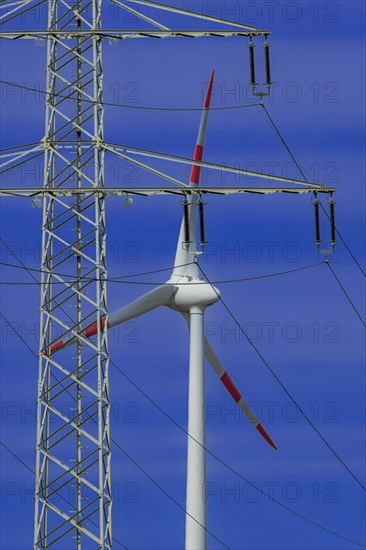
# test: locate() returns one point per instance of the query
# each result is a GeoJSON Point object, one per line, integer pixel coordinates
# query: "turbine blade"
{"type": "Point", "coordinates": [198, 153]}
{"type": "Point", "coordinates": [235, 394]}
{"type": "Point", "coordinates": [185, 254]}
{"type": "Point", "coordinates": [233, 390]}
{"type": "Point", "coordinates": [160, 296]}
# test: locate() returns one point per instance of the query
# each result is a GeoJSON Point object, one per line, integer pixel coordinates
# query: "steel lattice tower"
{"type": "Point", "coordinates": [73, 445]}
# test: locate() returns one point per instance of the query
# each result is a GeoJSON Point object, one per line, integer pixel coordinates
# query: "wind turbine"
{"type": "Point", "coordinates": [188, 293]}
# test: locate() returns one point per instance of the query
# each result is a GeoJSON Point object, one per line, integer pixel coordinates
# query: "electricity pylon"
{"type": "Point", "coordinates": [73, 446]}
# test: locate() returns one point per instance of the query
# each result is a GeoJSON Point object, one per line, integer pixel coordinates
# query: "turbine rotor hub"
{"type": "Point", "coordinates": [194, 293]}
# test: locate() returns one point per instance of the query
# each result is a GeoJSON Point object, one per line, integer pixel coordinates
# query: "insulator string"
{"type": "Point", "coordinates": [186, 221]}
{"type": "Point", "coordinates": [252, 63]}
{"type": "Point", "coordinates": [202, 222]}
{"type": "Point", "coordinates": [317, 220]}
{"type": "Point", "coordinates": [267, 62]}
{"type": "Point", "coordinates": [332, 221]}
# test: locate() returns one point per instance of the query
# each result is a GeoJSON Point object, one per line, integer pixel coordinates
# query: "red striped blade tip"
{"type": "Point", "coordinates": [209, 90]}
{"type": "Point", "coordinates": [52, 349]}
{"type": "Point", "coordinates": [92, 329]}
{"type": "Point", "coordinates": [265, 435]}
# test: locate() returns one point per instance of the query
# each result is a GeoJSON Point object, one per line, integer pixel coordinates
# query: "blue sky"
{"type": "Point", "coordinates": [301, 322]}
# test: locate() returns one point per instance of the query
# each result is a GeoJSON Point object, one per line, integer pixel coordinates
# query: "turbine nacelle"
{"type": "Point", "coordinates": [191, 293]}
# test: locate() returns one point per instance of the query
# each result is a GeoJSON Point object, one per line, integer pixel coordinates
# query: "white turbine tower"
{"type": "Point", "coordinates": [189, 294]}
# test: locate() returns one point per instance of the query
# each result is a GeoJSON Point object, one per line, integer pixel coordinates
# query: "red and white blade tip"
{"type": "Point", "coordinates": [236, 395]}
{"type": "Point", "coordinates": [265, 435]}
{"type": "Point", "coordinates": [209, 90]}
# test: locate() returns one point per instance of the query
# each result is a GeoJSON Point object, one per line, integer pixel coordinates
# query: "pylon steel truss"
{"type": "Point", "coordinates": [73, 440]}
